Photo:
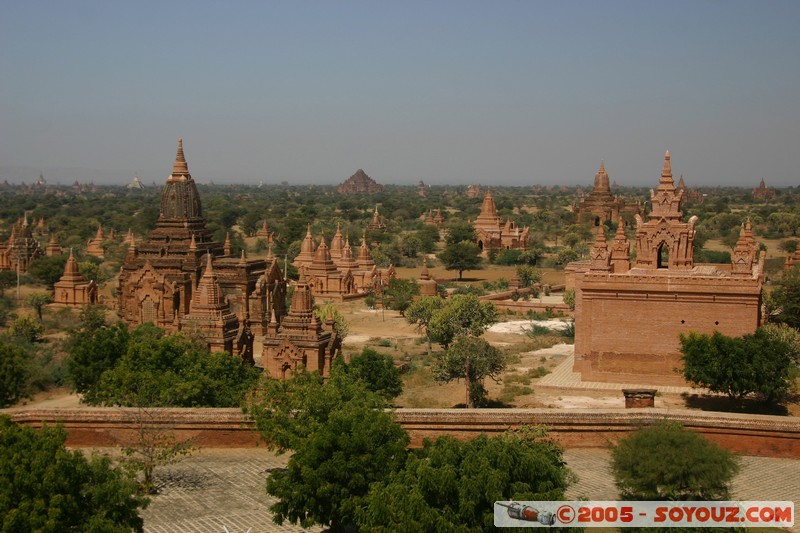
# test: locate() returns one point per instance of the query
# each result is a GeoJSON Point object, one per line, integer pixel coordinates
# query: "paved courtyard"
{"type": "Point", "coordinates": [224, 488]}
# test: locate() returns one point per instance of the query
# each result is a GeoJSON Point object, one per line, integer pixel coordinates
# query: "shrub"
{"type": "Point", "coordinates": [667, 462]}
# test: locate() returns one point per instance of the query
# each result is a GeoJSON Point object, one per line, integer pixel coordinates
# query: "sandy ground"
{"type": "Point", "coordinates": [520, 326]}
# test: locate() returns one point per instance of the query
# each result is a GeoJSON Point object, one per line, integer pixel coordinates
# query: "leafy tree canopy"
{"type": "Point", "coordinates": [667, 462]}
{"type": "Point", "coordinates": [48, 270]}
{"type": "Point", "coordinates": [461, 256]}
{"type": "Point", "coordinates": [421, 312]}
{"type": "Point", "coordinates": [787, 298]}
{"type": "Point", "coordinates": [463, 314]}
{"type": "Point", "coordinates": [399, 294]}
{"type": "Point", "coordinates": [460, 231]}
{"type": "Point", "coordinates": [173, 371]}
{"type": "Point", "coordinates": [15, 373]}
{"type": "Point", "coordinates": [752, 364]}
{"type": "Point", "coordinates": [450, 485]}
{"type": "Point", "coordinates": [44, 487]}
{"type": "Point", "coordinates": [341, 437]}
{"type": "Point", "coordinates": [377, 371]}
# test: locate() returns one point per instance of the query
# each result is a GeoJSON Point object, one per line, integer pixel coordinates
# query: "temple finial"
{"type": "Point", "coordinates": [180, 168]}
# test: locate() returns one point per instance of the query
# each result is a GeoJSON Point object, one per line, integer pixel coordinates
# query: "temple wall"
{"type": "Point", "coordinates": [627, 329]}
{"type": "Point", "coordinates": [764, 435]}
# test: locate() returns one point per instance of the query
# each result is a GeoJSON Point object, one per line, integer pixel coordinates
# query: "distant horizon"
{"type": "Point", "coordinates": [149, 183]}
{"type": "Point", "coordinates": [449, 92]}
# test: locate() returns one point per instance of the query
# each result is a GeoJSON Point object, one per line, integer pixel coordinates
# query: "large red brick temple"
{"type": "Point", "coordinates": [181, 278]}
{"type": "Point", "coordinates": [629, 313]}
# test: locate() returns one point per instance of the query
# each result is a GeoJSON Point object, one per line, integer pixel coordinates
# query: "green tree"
{"type": "Point", "coordinates": [44, 487]}
{"type": "Point", "coordinates": [564, 256]}
{"type": "Point", "coordinates": [15, 373]}
{"type": "Point", "coordinates": [752, 364]}
{"type": "Point", "coordinates": [399, 294]}
{"type": "Point", "coordinates": [421, 312]}
{"type": "Point", "coordinates": [450, 485]}
{"type": "Point", "coordinates": [789, 246]}
{"type": "Point", "coordinates": [341, 438]}
{"type": "Point", "coordinates": [460, 231]}
{"type": "Point", "coordinates": [411, 245]}
{"type": "Point", "coordinates": [8, 279]}
{"type": "Point", "coordinates": [154, 445]}
{"type": "Point", "coordinates": [27, 328]}
{"type": "Point", "coordinates": [667, 462]}
{"type": "Point", "coordinates": [787, 335]}
{"type": "Point", "coordinates": [48, 270]}
{"type": "Point", "coordinates": [569, 298]}
{"type": "Point", "coordinates": [528, 275]}
{"type": "Point", "coordinates": [787, 298]}
{"type": "Point", "coordinates": [376, 370]}
{"type": "Point", "coordinates": [174, 371]}
{"type": "Point", "coordinates": [463, 314]}
{"type": "Point", "coordinates": [472, 359]}
{"type": "Point", "coordinates": [329, 310]}
{"type": "Point", "coordinates": [37, 301]}
{"type": "Point", "coordinates": [461, 256]}
{"type": "Point", "coordinates": [93, 348]}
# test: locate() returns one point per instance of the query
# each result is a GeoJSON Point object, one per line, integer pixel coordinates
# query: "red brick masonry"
{"type": "Point", "coordinates": [770, 436]}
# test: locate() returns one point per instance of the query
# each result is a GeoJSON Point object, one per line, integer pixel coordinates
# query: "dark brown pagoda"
{"type": "Point", "coordinates": [160, 276]}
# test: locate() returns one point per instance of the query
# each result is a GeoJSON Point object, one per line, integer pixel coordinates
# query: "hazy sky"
{"type": "Point", "coordinates": [507, 92]}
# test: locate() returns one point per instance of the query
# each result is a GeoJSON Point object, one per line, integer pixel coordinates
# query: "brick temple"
{"type": "Point", "coordinates": [601, 205]}
{"type": "Point", "coordinates": [493, 234]}
{"type": "Point", "coordinates": [629, 313]}
{"type": "Point", "coordinates": [180, 278]}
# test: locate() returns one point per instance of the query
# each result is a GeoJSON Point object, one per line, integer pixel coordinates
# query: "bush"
{"type": "Point", "coordinates": [27, 328]}
{"type": "Point", "coordinates": [667, 462]}
{"type": "Point", "coordinates": [752, 364]}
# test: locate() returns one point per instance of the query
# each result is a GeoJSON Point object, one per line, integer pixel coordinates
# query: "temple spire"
{"type": "Point", "coordinates": [180, 168]}
{"type": "Point", "coordinates": [666, 172]}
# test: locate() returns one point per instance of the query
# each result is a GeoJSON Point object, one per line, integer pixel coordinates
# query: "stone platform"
{"type": "Point", "coordinates": [225, 488]}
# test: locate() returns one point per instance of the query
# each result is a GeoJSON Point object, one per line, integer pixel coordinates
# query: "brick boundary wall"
{"type": "Point", "coordinates": [762, 435]}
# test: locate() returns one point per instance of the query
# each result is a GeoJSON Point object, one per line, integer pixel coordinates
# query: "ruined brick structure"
{"type": "Point", "coordinates": [161, 278]}
{"type": "Point", "coordinates": [359, 183]}
{"type": "Point", "coordinates": [301, 340]}
{"type": "Point", "coordinates": [21, 248]}
{"type": "Point", "coordinates": [71, 289]}
{"type": "Point", "coordinates": [601, 205]}
{"type": "Point", "coordinates": [629, 315]}
{"type": "Point", "coordinates": [492, 234]}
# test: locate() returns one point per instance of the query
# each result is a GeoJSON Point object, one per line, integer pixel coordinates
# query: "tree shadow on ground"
{"type": "Point", "coordinates": [486, 404]}
{"type": "Point", "coordinates": [709, 402]}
